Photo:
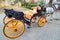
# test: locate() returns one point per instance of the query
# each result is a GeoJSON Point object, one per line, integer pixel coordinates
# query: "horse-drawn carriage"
{"type": "Point", "coordinates": [15, 21]}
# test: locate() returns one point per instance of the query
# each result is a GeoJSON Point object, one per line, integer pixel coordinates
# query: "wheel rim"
{"type": "Point", "coordinates": [14, 29]}
{"type": "Point", "coordinates": [6, 19]}
{"type": "Point", "coordinates": [41, 21]}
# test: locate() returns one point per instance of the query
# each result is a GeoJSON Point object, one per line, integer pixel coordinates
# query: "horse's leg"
{"type": "Point", "coordinates": [51, 16]}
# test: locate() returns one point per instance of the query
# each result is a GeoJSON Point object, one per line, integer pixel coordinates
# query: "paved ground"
{"type": "Point", "coordinates": [51, 30]}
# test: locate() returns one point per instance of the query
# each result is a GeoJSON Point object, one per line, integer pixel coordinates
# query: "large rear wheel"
{"type": "Point", "coordinates": [14, 29]}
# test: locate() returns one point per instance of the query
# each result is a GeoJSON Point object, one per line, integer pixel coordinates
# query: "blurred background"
{"type": "Point", "coordinates": [27, 3]}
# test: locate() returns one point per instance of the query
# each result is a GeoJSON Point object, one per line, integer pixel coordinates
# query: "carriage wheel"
{"type": "Point", "coordinates": [41, 21]}
{"type": "Point", "coordinates": [14, 29]}
{"type": "Point", "coordinates": [6, 19]}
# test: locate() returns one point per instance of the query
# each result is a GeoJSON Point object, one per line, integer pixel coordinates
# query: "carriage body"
{"type": "Point", "coordinates": [14, 22]}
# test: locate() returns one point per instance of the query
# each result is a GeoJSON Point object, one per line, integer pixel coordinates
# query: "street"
{"type": "Point", "coordinates": [51, 30]}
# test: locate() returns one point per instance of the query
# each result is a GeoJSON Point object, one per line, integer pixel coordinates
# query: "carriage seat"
{"type": "Point", "coordinates": [29, 14]}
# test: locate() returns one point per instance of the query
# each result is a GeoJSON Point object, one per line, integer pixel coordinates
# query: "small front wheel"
{"type": "Point", "coordinates": [14, 29]}
{"type": "Point", "coordinates": [41, 21]}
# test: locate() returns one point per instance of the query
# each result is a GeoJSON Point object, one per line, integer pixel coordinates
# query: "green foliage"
{"type": "Point", "coordinates": [16, 0]}
{"type": "Point", "coordinates": [29, 5]}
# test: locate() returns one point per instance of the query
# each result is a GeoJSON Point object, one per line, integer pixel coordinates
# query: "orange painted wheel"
{"type": "Point", "coordinates": [14, 29]}
{"type": "Point", "coordinates": [41, 21]}
{"type": "Point", "coordinates": [6, 19]}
